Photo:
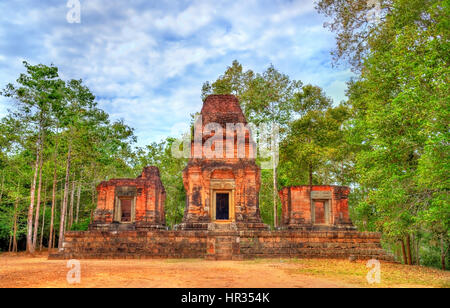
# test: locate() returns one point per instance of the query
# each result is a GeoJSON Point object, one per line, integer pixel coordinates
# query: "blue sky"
{"type": "Point", "coordinates": [146, 60]}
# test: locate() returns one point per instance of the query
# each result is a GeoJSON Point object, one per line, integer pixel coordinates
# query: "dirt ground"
{"type": "Point", "coordinates": [24, 271]}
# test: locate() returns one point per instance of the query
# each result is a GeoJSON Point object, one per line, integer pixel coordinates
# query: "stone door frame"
{"type": "Point", "coordinates": [327, 211]}
{"type": "Point", "coordinates": [133, 209]}
{"type": "Point", "coordinates": [124, 192]}
{"type": "Point", "coordinates": [222, 186]}
{"type": "Point", "coordinates": [230, 207]}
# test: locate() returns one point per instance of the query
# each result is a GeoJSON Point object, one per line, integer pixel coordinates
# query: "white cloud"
{"type": "Point", "coordinates": [3, 107]}
{"type": "Point", "coordinates": [293, 9]}
{"type": "Point", "coordinates": [186, 22]}
{"type": "Point", "coordinates": [146, 61]}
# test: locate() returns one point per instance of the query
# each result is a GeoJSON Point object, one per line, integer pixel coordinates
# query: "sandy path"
{"type": "Point", "coordinates": [20, 271]}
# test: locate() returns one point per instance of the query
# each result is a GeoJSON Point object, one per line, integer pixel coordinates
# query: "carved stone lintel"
{"type": "Point", "coordinates": [222, 184]}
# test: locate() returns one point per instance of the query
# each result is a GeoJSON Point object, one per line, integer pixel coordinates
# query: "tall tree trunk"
{"type": "Point", "coordinates": [54, 238]}
{"type": "Point", "coordinates": [52, 217]}
{"type": "Point", "coordinates": [43, 219]}
{"type": "Point", "coordinates": [443, 252]}
{"type": "Point", "coordinates": [66, 194]}
{"type": "Point", "coordinates": [78, 199]}
{"type": "Point", "coordinates": [61, 201]}
{"type": "Point", "coordinates": [275, 197]}
{"type": "Point", "coordinates": [408, 249]}
{"type": "Point", "coordinates": [274, 146]}
{"type": "Point", "coordinates": [14, 235]}
{"type": "Point", "coordinates": [93, 200]}
{"type": "Point", "coordinates": [66, 213]}
{"type": "Point", "coordinates": [405, 259]}
{"type": "Point", "coordinates": [42, 228]}
{"type": "Point", "coordinates": [417, 250]}
{"type": "Point", "coordinates": [310, 175]}
{"type": "Point", "coordinates": [72, 199]}
{"type": "Point", "coordinates": [16, 205]}
{"type": "Point", "coordinates": [38, 203]}
{"type": "Point", "coordinates": [10, 243]}
{"type": "Point", "coordinates": [93, 194]}
{"type": "Point", "coordinates": [310, 180]}
{"type": "Point", "coordinates": [2, 186]}
{"type": "Point", "coordinates": [30, 248]}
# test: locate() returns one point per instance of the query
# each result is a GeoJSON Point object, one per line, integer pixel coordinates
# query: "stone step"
{"type": "Point", "coordinates": [222, 244]}
{"type": "Point", "coordinates": [218, 227]}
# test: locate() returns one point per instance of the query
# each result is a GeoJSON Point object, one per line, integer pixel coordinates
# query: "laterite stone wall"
{"type": "Point", "coordinates": [228, 245]}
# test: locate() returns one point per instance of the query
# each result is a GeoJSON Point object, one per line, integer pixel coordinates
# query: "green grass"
{"type": "Point", "coordinates": [392, 274]}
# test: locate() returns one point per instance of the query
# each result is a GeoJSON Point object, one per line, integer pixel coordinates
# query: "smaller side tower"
{"type": "Point", "coordinates": [317, 207]}
{"type": "Point", "coordinates": [131, 204]}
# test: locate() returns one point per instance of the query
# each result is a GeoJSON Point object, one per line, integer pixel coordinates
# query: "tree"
{"type": "Point", "coordinates": [399, 126]}
{"type": "Point", "coordinates": [267, 98]}
{"type": "Point", "coordinates": [234, 81]}
{"type": "Point", "coordinates": [55, 131]}
{"type": "Point", "coordinates": [79, 117]}
{"type": "Point", "coordinates": [171, 172]}
{"type": "Point", "coordinates": [354, 23]}
{"type": "Point", "coordinates": [36, 93]}
{"type": "Point", "coordinates": [314, 144]}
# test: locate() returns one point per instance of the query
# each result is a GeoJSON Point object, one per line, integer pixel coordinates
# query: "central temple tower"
{"type": "Point", "coordinates": [222, 180]}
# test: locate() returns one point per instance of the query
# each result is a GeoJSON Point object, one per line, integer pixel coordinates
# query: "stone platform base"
{"type": "Point", "coordinates": [125, 227]}
{"type": "Point", "coordinates": [221, 244]}
{"type": "Point", "coordinates": [241, 226]}
{"type": "Point", "coordinates": [311, 227]}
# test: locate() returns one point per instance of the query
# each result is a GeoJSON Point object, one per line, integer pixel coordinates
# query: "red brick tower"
{"type": "Point", "coordinates": [222, 180]}
{"type": "Point", "coordinates": [323, 207]}
{"type": "Point", "coordinates": [130, 204]}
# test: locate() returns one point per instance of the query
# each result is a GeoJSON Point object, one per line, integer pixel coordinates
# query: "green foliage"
{"type": "Point", "coordinates": [170, 168]}
{"type": "Point", "coordinates": [266, 198]}
{"type": "Point", "coordinates": [314, 152]}
{"type": "Point", "coordinates": [398, 130]}
{"type": "Point", "coordinates": [389, 142]}
{"type": "Point", "coordinates": [431, 256]}
{"type": "Point", "coordinates": [81, 225]}
{"type": "Point", "coordinates": [269, 98]}
{"type": "Point", "coordinates": [53, 115]}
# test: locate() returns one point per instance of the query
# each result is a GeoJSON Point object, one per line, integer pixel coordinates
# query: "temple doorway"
{"type": "Point", "coordinates": [125, 207]}
{"type": "Point", "coordinates": [321, 212]}
{"type": "Point", "coordinates": [222, 206]}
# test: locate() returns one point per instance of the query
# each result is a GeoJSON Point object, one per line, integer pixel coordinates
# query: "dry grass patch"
{"type": "Point", "coordinates": [392, 274]}
{"type": "Point", "coordinates": [22, 270]}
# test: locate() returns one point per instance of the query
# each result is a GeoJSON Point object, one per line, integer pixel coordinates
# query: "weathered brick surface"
{"type": "Point", "coordinates": [221, 245]}
{"type": "Point", "coordinates": [132, 244]}
{"type": "Point", "coordinates": [147, 194]}
{"type": "Point", "coordinates": [231, 169]}
{"type": "Point", "coordinates": [243, 235]}
{"type": "Point", "coordinates": [297, 207]}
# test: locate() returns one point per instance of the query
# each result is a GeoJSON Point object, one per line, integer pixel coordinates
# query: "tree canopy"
{"type": "Point", "coordinates": [389, 141]}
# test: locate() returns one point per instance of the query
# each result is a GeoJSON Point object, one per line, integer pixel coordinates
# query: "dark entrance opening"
{"type": "Point", "coordinates": [222, 207]}
{"type": "Point", "coordinates": [321, 211]}
{"type": "Point", "coordinates": [125, 205]}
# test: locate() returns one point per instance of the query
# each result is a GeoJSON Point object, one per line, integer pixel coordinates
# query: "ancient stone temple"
{"type": "Point", "coordinates": [319, 207]}
{"type": "Point", "coordinates": [222, 180]}
{"type": "Point", "coordinates": [222, 218]}
{"type": "Point", "coordinates": [130, 204]}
